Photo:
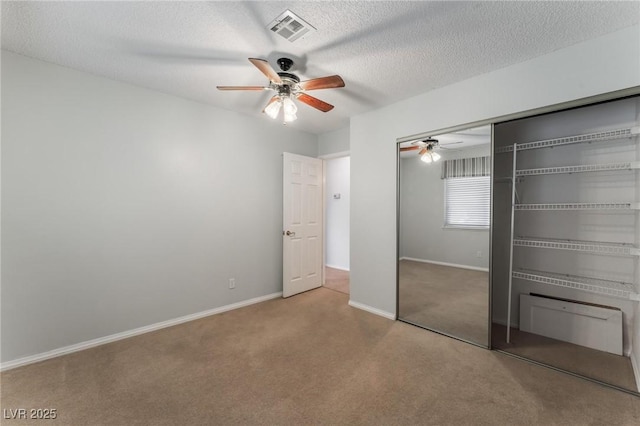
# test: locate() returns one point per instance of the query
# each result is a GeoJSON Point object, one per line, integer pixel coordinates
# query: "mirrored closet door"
{"type": "Point", "coordinates": [444, 214]}
{"type": "Point", "coordinates": [565, 233]}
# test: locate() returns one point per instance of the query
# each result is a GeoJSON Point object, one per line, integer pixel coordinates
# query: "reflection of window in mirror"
{"type": "Point", "coordinates": [467, 191]}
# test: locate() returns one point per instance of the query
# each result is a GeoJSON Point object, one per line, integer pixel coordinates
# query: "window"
{"type": "Point", "coordinates": [467, 203]}
{"type": "Point", "coordinates": [467, 189]}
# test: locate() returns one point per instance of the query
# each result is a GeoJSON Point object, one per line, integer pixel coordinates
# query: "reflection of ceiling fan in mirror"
{"type": "Point", "coordinates": [427, 149]}
{"type": "Point", "coordinates": [289, 87]}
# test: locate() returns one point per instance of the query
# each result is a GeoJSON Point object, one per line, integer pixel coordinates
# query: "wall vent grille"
{"type": "Point", "coordinates": [290, 26]}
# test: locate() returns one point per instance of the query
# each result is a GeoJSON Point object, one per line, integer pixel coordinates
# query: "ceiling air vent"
{"type": "Point", "coordinates": [290, 26]}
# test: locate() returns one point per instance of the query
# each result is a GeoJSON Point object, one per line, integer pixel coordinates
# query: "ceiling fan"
{"type": "Point", "coordinates": [289, 87]}
{"type": "Point", "coordinates": [426, 149]}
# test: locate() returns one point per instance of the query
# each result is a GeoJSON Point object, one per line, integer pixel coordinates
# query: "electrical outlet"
{"type": "Point", "coordinates": [478, 253]}
{"type": "Point", "coordinates": [232, 283]}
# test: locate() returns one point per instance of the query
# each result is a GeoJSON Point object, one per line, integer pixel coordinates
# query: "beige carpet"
{"type": "Point", "coordinates": [454, 301]}
{"type": "Point", "coordinates": [336, 279]}
{"type": "Point", "coordinates": [308, 359]}
{"type": "Point", "coordinates": [599, 365]}
{"type": "Point", "coordinates": [451, 300]}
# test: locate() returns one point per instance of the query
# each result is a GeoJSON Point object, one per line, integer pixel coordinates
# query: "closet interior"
{"type": "Point", "coordinates": [565, 235]}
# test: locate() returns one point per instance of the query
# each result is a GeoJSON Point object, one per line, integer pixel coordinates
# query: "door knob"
{"type": "Point", "coordinates": [290, 234]}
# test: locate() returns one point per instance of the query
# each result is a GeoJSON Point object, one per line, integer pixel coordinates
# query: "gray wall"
{"type": "Point", "coordinates": [422, 235]}
{"type": "Point", "coordinates": [561, 76]}
{"type": "Point", "coordinates": [123, 207]}
{"type": "Point", "coordinates": [335, 142]}
{"type": "Point", "coordinates": [337, 212]}
{"type": "Point", "coordinates": [334, 147]}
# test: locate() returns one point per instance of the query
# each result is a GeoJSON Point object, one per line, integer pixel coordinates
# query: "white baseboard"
{"type": "Point", "coordinates": [453, 265]}
{"type": "Point", "coordinates": [372, 310]}
{"type": "Point", "coordinates": [636, 369]}
{"type": "Point", "coordinates": [130, 333]}
{"type": "Point", "coordinates": [337, 267]}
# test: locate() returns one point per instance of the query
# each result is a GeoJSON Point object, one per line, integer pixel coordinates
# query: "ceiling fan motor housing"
{"type": "Point", "coordinates": [285, 64]}
{"type": "Point", "coordinates": [289, 85]}
{"type": "Point", "coordinates": [289, 78]}
{"type": "Point", "coordinates": [284, 90]}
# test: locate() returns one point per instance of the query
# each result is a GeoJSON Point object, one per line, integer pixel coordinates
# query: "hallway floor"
{"type": "Point", "coordinates": [336, 279]}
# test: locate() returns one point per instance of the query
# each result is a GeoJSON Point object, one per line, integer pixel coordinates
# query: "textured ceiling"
{"type": "Point", "coordinates": [385, 51]}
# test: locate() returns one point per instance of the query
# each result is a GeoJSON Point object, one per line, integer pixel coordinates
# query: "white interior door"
{"type": "Point", "coordinates": [302, 235]}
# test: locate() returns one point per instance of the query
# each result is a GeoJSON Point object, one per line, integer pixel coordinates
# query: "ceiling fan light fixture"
{"type": "Point", "coordinates": [289, 117]}
{"type": "Point", "coordinates": [273, 109]}
{"type": "Point", "coordinates": [426, 157]}
{"type": "Point", "coordinates": [289, 107]}
{"type": "Point", "coordinates": [427, 152]}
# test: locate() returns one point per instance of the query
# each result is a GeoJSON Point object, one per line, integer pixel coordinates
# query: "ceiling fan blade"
{"type": "Point", "coordinates": [266, 69]}
{"type": "Point", "coordinates": [409, 148]}
{"type": "Point", "coordinates": [315, 102]}
{"type": "Point", "coordinates": [450, 143]}
{"type": "Point", "coordinates": [329, 82]}
{"type": "Point", "coordinates": [241, 88]}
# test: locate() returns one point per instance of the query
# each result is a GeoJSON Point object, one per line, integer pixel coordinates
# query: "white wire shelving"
{"type": "Point", "coordinates": [608, 135]}
{"type": "Point", "coordinates": [629, 165]}
{"type": "Point", "coordinates": [593, 285]}
{"type": "Point", "coordinates": [618, 289]}
{"type": "Point", "coordinates": [579, 206]}
{"type": "Point", "coordinates": [593, 247]}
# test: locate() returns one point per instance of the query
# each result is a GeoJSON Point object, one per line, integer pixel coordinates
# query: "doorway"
{"type": "Point", "coordinates": [337, 201]}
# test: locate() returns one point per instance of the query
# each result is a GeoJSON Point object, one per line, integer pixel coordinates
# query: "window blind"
{"type": "Point", "coordinates": [467, 202]}
{"type": "Point", "coordinates": [466, 167]}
